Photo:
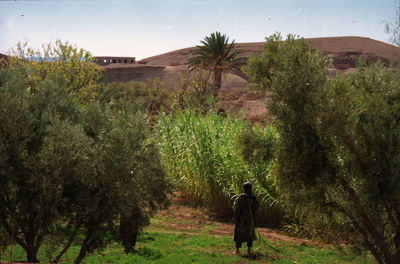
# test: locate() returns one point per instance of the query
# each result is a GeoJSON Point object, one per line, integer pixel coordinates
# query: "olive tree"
{"type": "Point", "coordinates": [70, 165]}
{"type": "Point", "coordinates": [339, 141]}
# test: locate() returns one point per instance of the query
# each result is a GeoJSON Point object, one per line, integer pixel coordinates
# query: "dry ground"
{"type": "Point", "coordinates": [182, 217]}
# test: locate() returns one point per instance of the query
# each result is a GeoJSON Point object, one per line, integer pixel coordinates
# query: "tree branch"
{"type": "Point", "coordinates": [367, 222]}
{"type": "Point", "coordinates": [396, 209]}
{"type": "Point", "coordinates": [9, 230]}
{"type": "Point", "coordinates": [84, 247]}
{"type": "Point", "coordinates": [391, 218]}
{"type": "Point", "coordinates": [370, 247]}
{"type": "Point", "coordinates": [68, 244]}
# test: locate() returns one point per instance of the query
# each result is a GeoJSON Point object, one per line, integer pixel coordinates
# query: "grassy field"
{"type": "Point", "coordinates": [186, 235]}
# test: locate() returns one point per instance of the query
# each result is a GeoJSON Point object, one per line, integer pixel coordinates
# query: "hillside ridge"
{"type": "Point", "coordinates": [343, 50]}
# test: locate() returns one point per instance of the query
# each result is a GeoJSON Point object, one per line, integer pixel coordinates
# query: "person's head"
{"type": "Point", "coordinates": [247, 188]}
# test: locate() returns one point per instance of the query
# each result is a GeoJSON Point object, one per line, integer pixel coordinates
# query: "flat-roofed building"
{"type": "Point", "coordinates": [101, 60]}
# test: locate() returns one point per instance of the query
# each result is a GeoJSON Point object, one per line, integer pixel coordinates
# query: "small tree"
{"type": "Point", "coordinates": [194, 90]}
{"type": "Point", "coordinates": [216, 56]}
{"type": "Point", "coordinates": [339, 141]}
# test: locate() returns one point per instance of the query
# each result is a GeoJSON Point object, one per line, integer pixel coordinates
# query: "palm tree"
{"type": "Point", "coordinates": [217, 56]}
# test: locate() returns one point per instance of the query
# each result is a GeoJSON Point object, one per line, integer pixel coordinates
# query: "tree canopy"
{"type": "Point", "coordinates": [339, 141]}
{"type": "Point", "coordinates": [218, 56]}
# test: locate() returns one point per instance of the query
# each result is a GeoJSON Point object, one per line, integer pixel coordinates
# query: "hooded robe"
{"type": "Point", "coordinates": [245, 210]}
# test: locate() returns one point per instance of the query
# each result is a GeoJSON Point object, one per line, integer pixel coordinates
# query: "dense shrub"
{"type": "Point", "coordinates": [152, 94]}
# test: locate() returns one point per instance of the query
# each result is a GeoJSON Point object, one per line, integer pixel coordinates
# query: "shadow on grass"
{"type": "Point", "coordinates": [149, 254]}
{"type": "Point", "coordinates": [145, 237]}
{"type": "Point", "coordinates": [260, 256]}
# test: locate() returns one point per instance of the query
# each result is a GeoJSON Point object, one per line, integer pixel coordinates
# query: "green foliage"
{"type": "Point", "coordinates": [364, 150]}
{"type": "Point", "coordinates": [195, 90]}
{"type": "Point", "coordinates": [197, 152]}
{"type": "Point", "coordinates": [68, 168]}
{"type": "Point", "coordinates": [218, 56]}
{"type": "Point", "coordinates": [338, 153]}
{"type": "Point", "coordinates": [257, 147]}
{"type": "Point", "coordinates": [201, 154]}
{"type": "Point", "coordinates": [152, 94]}
{"type": "Point", "coordinates": [61, 60]}
{"type": "Point", "coordinates": [259, 66]}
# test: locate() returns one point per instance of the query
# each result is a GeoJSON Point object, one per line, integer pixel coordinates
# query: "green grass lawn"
{"type": "Point", "coordinates": [184, 235]}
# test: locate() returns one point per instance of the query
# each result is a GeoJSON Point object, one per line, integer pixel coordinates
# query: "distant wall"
{"type": "Point", "coordinates": [109, 60]}
{"type": "Point", "coordinates": [137, 73]}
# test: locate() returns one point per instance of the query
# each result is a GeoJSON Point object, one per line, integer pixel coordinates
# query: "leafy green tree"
{"type": "Point", "coordinates": [30, 192]}
{"type": "Point", "coordinates": [71, 166]}
{"type": "Point", "coordinates": [60, 60]}
{"type": "Point", "coordinates": [217, 56]}
{"type": "Point", "coordinates": [338, 154]}
{"type": "Point", "coordinates": [364, 153]}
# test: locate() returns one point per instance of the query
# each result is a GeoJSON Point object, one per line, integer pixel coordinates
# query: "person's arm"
{"type": "Point", "coordinates": [238, 210]}
{"type": "Point", "coordinates": [255, 208]}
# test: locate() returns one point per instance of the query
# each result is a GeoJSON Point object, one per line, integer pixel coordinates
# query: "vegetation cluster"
{"type": "Point", "coordinates": [73, 169]}
{"type": "Point", "coordinates": [209, 157]}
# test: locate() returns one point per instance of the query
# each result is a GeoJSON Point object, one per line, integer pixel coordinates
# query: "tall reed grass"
{"type": "Point", "coordinates": [205, 157]}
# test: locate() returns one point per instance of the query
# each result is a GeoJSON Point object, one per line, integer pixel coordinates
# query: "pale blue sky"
{"type": "Point", "coordinates": [143, 28]}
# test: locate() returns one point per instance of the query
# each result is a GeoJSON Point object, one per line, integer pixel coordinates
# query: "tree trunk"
{"type": "Point", "coordinates": [384, 249]}
{"type": "Point", "coordinates": [128, 231]}
{"type": "Point", "coordinates": [66, 247]}
{"type": "Point", "coordinates": [30, 248]}
{"type": "Point", "coordinates": [217, 81]}
{"type": "Point", "coordinates": [82, 254]}
{"type": "Point", "coordinates": [31, 254]}
{"type": "Point", "coordinates": [84, 248]}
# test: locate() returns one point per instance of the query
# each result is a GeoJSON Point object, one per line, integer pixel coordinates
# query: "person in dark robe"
{"type": "Point", "coordinates": [245, 211]}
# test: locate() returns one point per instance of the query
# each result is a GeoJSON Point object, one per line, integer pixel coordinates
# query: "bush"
{"type": "Point", "coordinates": [153, 94]}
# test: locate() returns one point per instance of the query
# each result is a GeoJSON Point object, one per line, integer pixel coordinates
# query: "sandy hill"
{"type": "Point", "coordinates": [343, 50]}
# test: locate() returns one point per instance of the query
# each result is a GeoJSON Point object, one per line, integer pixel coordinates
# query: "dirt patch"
{"type": "Point", "coordinates": [186, 219]}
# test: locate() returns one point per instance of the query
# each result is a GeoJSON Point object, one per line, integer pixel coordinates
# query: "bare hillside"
{"type": "Point", "coordinates": [344, 51]}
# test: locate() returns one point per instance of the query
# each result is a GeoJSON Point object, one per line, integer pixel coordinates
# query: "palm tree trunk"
{"type": "Point", "coordinates": [217, 81]}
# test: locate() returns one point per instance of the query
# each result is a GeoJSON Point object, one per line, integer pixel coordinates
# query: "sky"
{"type": "Point", "coordinates": [144, 28]}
